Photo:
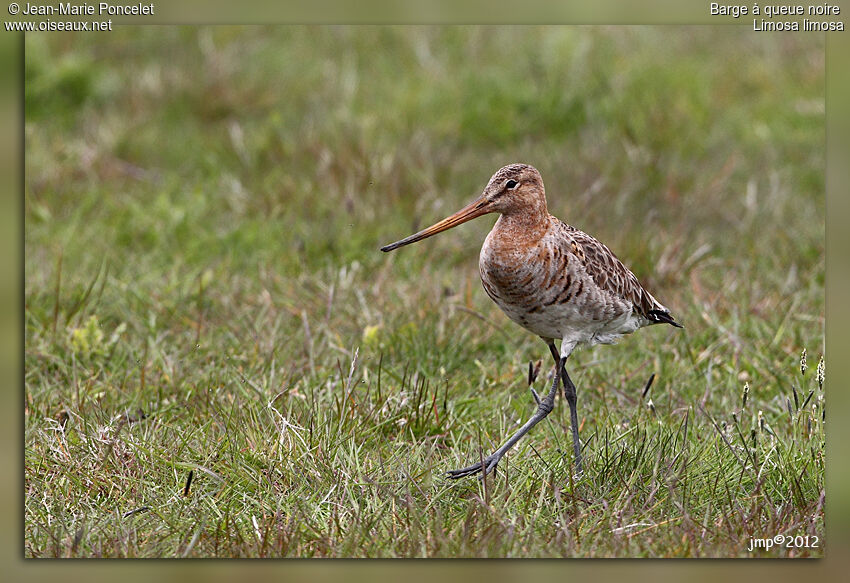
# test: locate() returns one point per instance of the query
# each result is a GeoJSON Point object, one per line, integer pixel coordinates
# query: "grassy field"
{"type": "Point", "coordinates": [220, 362]}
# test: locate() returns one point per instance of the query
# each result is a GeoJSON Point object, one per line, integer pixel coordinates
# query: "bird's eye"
{"type": "Point", "coordinates": [511, 184]}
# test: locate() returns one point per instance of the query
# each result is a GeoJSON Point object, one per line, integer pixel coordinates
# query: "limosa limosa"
{"type": "Point", "coordinates": [553, 280]}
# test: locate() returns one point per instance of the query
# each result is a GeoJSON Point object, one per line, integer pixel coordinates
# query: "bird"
{"type": "Point", "coordinates": [552, 279]}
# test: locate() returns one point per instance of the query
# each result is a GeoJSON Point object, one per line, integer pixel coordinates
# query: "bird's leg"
{"type": "Point", "coordinates": [544, 407]}
{"type": "Point", "coordinates": [570, 394]}
{"type": "Point", "coordinates": [555, 355]}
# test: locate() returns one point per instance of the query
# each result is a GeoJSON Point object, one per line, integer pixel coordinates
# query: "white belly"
{"type": "Point", "coordinates": [570, 324]}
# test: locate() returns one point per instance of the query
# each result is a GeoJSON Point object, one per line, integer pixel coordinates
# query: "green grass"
{"type": "Point", "coordinates": [205, 296]}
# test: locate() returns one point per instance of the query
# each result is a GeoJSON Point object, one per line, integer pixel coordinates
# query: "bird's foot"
{"type": "Point", "coordinates": [536, 397]}
{"type": "Point", "coordinates": [578, 469]}
{"type": "Point", "coordinates": [485, 467]}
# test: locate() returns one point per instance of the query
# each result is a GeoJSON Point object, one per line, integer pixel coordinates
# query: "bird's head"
{"type": "Point", "coordinates": [516, 189]}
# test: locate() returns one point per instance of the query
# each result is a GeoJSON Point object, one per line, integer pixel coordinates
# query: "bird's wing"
{"type": "Point", "coordinates": [609, 274]}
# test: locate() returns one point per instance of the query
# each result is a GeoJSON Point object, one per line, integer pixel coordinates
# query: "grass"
{"type": "Point", "coordinates": [219, 362]}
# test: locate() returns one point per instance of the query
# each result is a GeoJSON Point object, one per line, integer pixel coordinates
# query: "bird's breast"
{"type": "Point", "coordinates": [544, 287]}
{"type": "Point", "coordinates": [517, 278]}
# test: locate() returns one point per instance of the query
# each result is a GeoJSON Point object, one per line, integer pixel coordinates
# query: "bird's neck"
{"type": "Point", "coordinates": [527, 226]}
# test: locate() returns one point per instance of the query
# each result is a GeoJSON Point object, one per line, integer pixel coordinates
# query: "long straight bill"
{"type": "Point", "coordinates": [467, 213]}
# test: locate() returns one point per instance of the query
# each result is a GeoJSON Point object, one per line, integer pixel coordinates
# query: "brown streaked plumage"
{"type": "Point", "coordinates": [553, 280]}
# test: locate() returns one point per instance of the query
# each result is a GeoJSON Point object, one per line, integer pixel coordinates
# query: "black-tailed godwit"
{"type": "Point", "coordinates": [553, 280]}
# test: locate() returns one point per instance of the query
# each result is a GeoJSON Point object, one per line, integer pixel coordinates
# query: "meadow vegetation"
{"type": "Point", "coordinates": [220, 362]}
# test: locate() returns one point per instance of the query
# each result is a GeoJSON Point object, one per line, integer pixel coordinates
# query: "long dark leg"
{"type": "Point", "coordinates": [570, 394]}
{"type": "Point", "coordinates": [544, 407]}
